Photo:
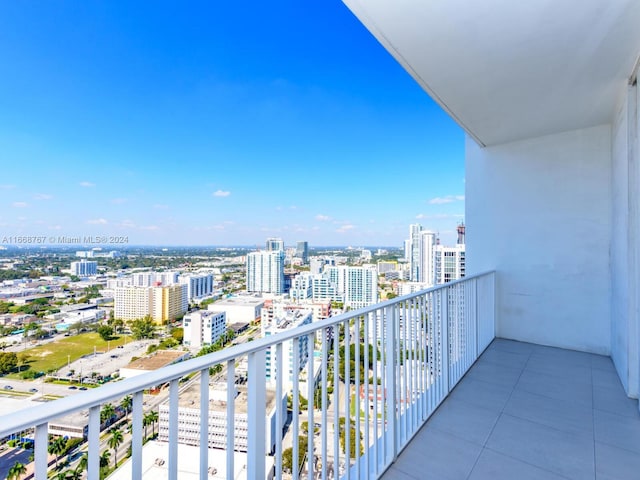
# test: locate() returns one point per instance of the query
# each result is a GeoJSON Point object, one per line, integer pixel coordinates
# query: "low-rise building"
{"type": "Point", "coordinates": [203, 327]}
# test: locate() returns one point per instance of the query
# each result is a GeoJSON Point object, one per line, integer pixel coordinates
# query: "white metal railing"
{"type": "Point", "coordinates": [381, 372]}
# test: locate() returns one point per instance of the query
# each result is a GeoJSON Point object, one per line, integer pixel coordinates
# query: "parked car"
{"type": "Point", "coordinates": [33, 390]}
{"type": "Point", "coordinates": [8, 387]}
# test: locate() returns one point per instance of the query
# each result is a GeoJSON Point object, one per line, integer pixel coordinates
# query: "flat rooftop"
{"type": "Point", "coordinates": [156, 360]}
{"type": "Point", "coordinates": [155, 463]}
{"type": "Point", "coordinates": [247, 301]}
{"type": "Point", "coordinates": [190, 398]}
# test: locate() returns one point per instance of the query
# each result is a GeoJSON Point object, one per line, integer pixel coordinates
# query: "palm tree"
{"type": "Point", "coordinates": [114, 442]}
{"type": "Point", "coordinates": [83, 463]}
{"type": "Point", "coordinates": [57, 447]}
{"type": "Point", "coordinates": [145, 423]}
{"type": "Point", "coordinates": [74, 474]}
{"type": "Point", "coordinates": [16, 471]}
{"type": "Point", "coordinates": [126, 403]}
{"type": "Point", "coordinates": [153, 418]}
{"type": "Point", "coordinates": [107, 412]}
{"type": "Point", "coordinates": [61, 476]}
{"type": "Point", "coordinates": [104, 459]}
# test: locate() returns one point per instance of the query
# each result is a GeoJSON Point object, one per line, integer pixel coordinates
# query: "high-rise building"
{"type": "Point", "coordinates": [84, 268]}
{"type": "Point", "coordinates": [265, 272]}
{"type": "Point", "coordinates": [358, 286]}
{"type": "Point", "coordinates": [280, 321]}
{"type": "Point", "coordinates": [302, 251]}
{"type": "Point", "coordinates": [162, 303]}
{"type": "Point", "coordinates": [198, 286]}
{"type": "Point", "coordinates": [449, 263]}
{"type": "Point", "coordinates": [420, 254]}
{"type": "Point", "coordinates": [275, 244]}
{"type": "Point", "coordinates": [148, 279]}
{"type": "Point", "coordinates": [203, 327]}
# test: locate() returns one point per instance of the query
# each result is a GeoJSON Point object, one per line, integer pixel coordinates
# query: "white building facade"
{"type": "Point", "coordinates": [84, 268]}
{"type": "Point", "coordinates": [265, 272]}
{"type": "Point", "coordinates": [203, 327]}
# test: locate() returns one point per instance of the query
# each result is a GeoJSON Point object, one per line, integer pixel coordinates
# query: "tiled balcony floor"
{"type": "Point", "coordinates": [528, 412]}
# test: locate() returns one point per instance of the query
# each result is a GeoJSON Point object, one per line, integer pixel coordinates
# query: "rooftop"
{"type": "Point", "coordinates": [529, 412]}
{"type": "Point", "coordinates": [190, 398]}
{"type": "Point", "coordinates": [156, 360]}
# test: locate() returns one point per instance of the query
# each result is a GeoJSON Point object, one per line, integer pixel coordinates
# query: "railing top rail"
{"type": "Point", "coordinates": [41, 414]}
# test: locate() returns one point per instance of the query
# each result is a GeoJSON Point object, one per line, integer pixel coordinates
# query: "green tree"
{"type": "Point", "coordinates": [77, 326]}
{"type": "Point", "coordinates": [153, 418]}
{"type": "Point", "coordinates": [142, 328]}
{"type": "Point", "coordinates": [178, 334]}
{"type": "Point", "coordinates": [105, 332]}
{"type": "Point", "coordinates": [16, 471]}
{"type": "Point", "coordinates": [352, 438]}
{"type": "Point", "coordinates": [107, 412]}
{"type": "Point", "coordinates": [57, 447]}
{"type": "Point", "coordinates": [23, 358]}
{"type": "Point", "coordinates": [8, 361]}
{"type": "Point", "coordinates": [287, 455]}
{"type": "Point", "coordinates": [104, 459]}
{"type": "Point", "coordinates": [83, 463]}
{"type": "Point", "coordinates": [126, 404]}
{"type": "Point", "coordinates": [114, 442]}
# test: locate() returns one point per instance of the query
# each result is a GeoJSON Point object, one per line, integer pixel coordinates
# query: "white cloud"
{"type": "Point", "coordinates": [161, 206]}
{"type": "Point", "coordinates": [7, 187]}
{"type": "Point", "coordinates": [42, 196]}
{"type": "Point", "coordinates": [345, 228]}
{"type": "Point", "coordinates": [221, 193]}
{"type": "Point", "coordinates": [87, 184]}
{"type": "Point", "coordinates": [127, 224]}
{"type": "Point", "coordinates": [323, 218]}
{"type": "Point", "coordinates": [97, 221]}
{"type": "Point", "coordinates": [447, 199]}
{"type": "Point", "coordinates": [118, 201]}
{"type": "Point", "coordinates": [19, 204]}
{"type": "Point", "coordinates": [438, 216]}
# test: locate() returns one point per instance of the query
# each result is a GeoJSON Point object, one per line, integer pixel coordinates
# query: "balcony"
{"type": "Point", "coordinates": [529, 412]}
{"type": "Point", "coordinates": [412, 351]}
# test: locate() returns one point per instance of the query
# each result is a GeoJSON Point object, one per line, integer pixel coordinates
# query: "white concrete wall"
{"type": "Point", "coordinates": [625, 252]}
{"type": "Point", "coordinates": [538, 211]}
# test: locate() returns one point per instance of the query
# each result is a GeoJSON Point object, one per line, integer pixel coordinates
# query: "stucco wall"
{"type": "Point", "coordinates": [538, 211]}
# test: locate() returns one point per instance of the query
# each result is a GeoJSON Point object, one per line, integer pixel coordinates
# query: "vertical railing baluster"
{"type": "Point", "coordinates": [204, 424]}
{"type": "Point", "coordinates": [377, 386]}
{"type": "Point", "coordinates": [347, 398]}
{"type": "Point", "coordinates": [356, 402]}
{"type": "Point", "coordinates": [40, 452]}
{"type": "Point", "coordinates": [256, 406]}
{"type": "Point", "coordinates": [336, 401]}
{"type": "Point", "coordinates": [295, 420]}
{"type": "Point", "coordinates": [324, 430]}
{"type": "Point", "coordinates": [367, 390]}
{"type": "Point", "coordinates": [391, 403]}
{"type": "Point", "coordinates": [310, 404]}
{"type": "Point", "coordinates": [137, 418]}
{"type": "Point", "coordinates": [279, 413]}
{"type": "Point", "coordinates": [93, 463]}
{"type": "Point", "coordinates": [174, 413]}
{"type": "Point", "coordinates": [231, 414]}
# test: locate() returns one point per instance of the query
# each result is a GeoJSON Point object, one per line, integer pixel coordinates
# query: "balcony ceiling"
{"type": "Point", "coordinates": [508, 70]}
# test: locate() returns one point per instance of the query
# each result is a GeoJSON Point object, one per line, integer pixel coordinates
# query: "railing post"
{"type": "Point", "coordinates": [41, 453]}
{"type": "Point", "coordinates": [257, 395]}
{"type": "Point", "coordinates": [173, 428]}
{"type": "Point", "coordinates": [390, 384]}
{"type": "Point", "coordinates": [204, 424]}
{"type": "Point", "coordinates": [444, 328]}
{"type": "Point", "coordinates": [93, 464]}
{"type": "Point", "coordinates": [137, 416]}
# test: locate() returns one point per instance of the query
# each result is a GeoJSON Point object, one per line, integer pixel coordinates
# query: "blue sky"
{"type": "Point", "coordinates": [215, 123]}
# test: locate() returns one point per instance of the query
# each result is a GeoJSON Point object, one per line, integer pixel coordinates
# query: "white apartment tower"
{"type": "Point", "coordinates": [198, 286]}
{"type": "Point", "coordinates": [420, 247]}
{"type": "Point", "coordinates": [357, 285]}
{"type": "Point", "coordinates": [265, 272]}
{"type": "Point", "coordinates": [203, 327]}
{"type": "Point", "coordinates": [84, 268]}
{"type": "Point", "coordinates": [274, 244]}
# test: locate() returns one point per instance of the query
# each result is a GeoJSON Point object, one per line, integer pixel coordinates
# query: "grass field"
{"type": "Point", "coordinates": [55, 355]}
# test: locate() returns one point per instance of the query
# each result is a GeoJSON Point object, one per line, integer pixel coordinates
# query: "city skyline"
{"type": "Point", "coordinates": [217, 126]}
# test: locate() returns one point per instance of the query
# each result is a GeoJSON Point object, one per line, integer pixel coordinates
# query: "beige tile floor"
{"type": "Point", "coordinates": [529, 412]}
